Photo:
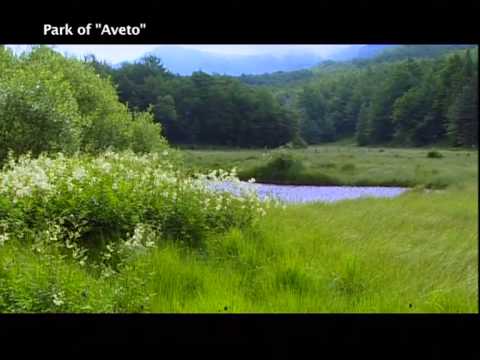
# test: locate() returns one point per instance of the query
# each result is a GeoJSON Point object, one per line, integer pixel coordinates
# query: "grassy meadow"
{"type": "Point", "coordinates": [346, 165]}
{"type": "Point", "coordinates": [414, 253]}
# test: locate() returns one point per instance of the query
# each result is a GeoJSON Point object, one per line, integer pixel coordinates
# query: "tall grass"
{"type": "Point", "coordinates": [369, 255]}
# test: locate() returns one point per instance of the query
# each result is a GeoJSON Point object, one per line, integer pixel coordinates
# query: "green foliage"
{"type": "Point", "coordinates": [51, 103]}
{"type": "Point", "coordinates": [278, 78]}
{"type": "Point", "coordinates": [348, 167]}
{"type": "Point", "coordinates": [296, 143]}
{"type": "Point", "coordinates": [205, 109]}
{"type": "Point", "coordinates": [405, 96]}
{"type": "Point", "coordinates": [145, 134]}
{"type": "Point", "coordinates": [166, 114]}
{"type": "Point", "coordinates": [417, 51]}
{"type": "Point", "coordinates": [363, 126]}
{"type": "Point", "coordinates": [7, 59]}
{"type": "Point", "coordinates": [403, 101]}
{"type": "Point", "coordinates": [434, 154]}
{"type": "Point", "coordinates": [282, 166]}
{"type": "Point", "coordinates": [37, 111]}
{"type": "Point", "coordinates": [463, 116]}
{"type": "Point", "coordinates": [32, 282]}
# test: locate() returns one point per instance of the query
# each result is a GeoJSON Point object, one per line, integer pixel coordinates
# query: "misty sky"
{"type": "Point", "coordinates": [118, 53]}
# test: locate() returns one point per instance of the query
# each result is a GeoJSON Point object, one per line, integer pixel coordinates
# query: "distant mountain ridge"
{"type": "Point", "coordinates": [360, 52]}
{"type": "Point", "coordinates": [185, 61]}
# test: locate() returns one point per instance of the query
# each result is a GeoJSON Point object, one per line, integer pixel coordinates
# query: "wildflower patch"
{"type": "Point", "coordinates": [108, 206]}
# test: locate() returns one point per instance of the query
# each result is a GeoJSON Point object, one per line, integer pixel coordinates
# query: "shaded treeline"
{"type": "Point", "coordinates": [201, 108]}
{"type": "Point", "coordinates": [408, 102]}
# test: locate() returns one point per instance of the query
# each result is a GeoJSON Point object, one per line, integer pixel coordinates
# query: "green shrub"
{"type": "Point", "coordinates": [145, 134]}
{"type": "Point", "coordinates": [434, 155]}
{"type": "Point", "coordinates": [286, 162]}
{"type": "Point", "coordinates": [328, 165]}
{"type": "Point", "coordinates": [7, 59]}
{"type": "Point", "coordinates": [297, 142]}
{"type": "Point", "coordinates": [348, 167]}
{"type": "Point", "coordinates": [282, 166]}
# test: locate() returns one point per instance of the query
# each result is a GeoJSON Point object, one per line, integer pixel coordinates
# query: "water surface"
{"type": "Point", "coordinates": [303, 194]}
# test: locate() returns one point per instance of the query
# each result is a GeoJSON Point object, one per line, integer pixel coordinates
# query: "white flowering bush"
{"type": "Point", "coordinates": [105, 207]}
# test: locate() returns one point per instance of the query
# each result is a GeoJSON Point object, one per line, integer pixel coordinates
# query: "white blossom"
{"type": "Point", "coordinates": [58, 299]}
{"type": "Point", "coordinates": [79, 173]}
{"type": "Point", "coordinates": [3, 238]}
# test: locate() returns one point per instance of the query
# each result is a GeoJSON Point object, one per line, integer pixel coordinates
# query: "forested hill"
{"type": "Point", "coordinates": [378, 54]}
{"type": "Point", "coordinates": [278, 78]}
{"type": "Point", "coordinates": [360, 52]}
{"type": "Point", "coordinates": [409, 95]}
{"type": "Point", "coordinates": [418, 51]}
{"type": "Point", "coordinates": [405, 102]}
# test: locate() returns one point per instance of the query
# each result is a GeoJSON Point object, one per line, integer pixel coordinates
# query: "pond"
{"type": "Point", "coordinates": [303, 194]}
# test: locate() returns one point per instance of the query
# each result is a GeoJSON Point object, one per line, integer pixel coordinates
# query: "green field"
{"type": "Point", "coordinates": [414, 253]}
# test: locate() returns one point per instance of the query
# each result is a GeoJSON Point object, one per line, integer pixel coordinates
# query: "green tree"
{"type": "Point", "coordinates": [166, 114]}
{"type": "Point", "coordinates": [362, 131]}
{"type": "Point", "coordinates": [463, 116]}
{"type": "Point", "coordinates": [49, 102]}
{"type": "Point", "coordinates": [38, 110]}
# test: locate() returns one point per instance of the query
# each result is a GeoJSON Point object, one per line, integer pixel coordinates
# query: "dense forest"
{"type": "Point", "coordinates": [203, 109]}
{"type": "Point", "coordinates": [408, 102]}
{"type": "Point", "coordinates": [410, 95]}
